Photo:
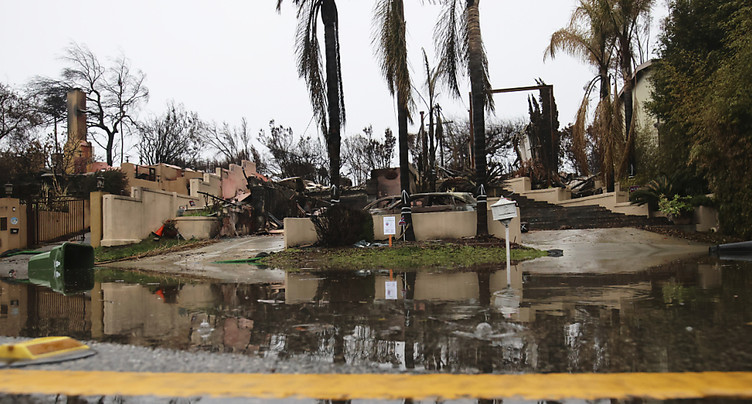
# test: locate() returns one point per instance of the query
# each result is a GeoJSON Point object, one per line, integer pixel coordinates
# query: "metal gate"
{"type": "Point", "coordinates": [55, 219]}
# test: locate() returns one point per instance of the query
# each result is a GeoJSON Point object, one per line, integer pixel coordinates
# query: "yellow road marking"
{"type": "Point", "coordinates": [370, 386]}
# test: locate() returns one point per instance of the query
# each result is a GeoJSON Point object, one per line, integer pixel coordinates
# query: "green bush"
{"type": "Point", "coordinates": [341, 225]}
{"type": "Point", "coordinates": [679, 184]}
{"type": "Point", "coordinates": [676, 206]}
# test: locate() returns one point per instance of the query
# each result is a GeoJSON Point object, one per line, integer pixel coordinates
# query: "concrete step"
{"type": "Point", "coordinates": [545, 216]}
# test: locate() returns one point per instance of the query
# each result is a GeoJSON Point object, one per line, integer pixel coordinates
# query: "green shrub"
{"type": "Point", "coordinates": [676, 206]}
{"type": "Point", "coordinates": [652, 192]}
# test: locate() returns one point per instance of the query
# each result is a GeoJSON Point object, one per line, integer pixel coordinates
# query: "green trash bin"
{"type": "Point", "coordinates": [68, 268]}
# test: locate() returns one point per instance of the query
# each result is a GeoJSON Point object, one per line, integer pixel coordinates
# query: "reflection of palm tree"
{"type": "Point", "coordinates": [484, 288]}
{"type": "Point", "coordinates": [458, 37]}
{"type": "Point", "coordinates": [325, 90]}
{"type": "Point", "coordinates": [409, 330]}
{"type": "Point", "coordinates": [391, 50]}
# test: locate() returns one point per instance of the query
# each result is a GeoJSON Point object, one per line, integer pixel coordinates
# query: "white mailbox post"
{"type": "Point", "coordinates": [504, 210]}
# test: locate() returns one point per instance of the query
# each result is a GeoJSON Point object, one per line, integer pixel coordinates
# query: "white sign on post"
{"type": "Point", "coordinates": [390, 226]}
{"type": "Point", "coordinates": [390, 288]}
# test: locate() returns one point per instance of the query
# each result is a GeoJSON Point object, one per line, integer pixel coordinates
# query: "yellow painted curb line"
{"type": "Point", "coordinates": [378, 386]}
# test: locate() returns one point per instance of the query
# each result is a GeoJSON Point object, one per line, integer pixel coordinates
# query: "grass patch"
{"type": "Point", "coordinates": [146, 248]}
{"type": "Point", "coordinates": [449, 256]}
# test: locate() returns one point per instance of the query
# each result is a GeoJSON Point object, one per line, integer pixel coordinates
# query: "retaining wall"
{"type": "Point", "coordinates": [197, 227]}
{"type": "Point", "coordinates": [428, 226]}
{"type": "Point", "coordinates": [130, 219]}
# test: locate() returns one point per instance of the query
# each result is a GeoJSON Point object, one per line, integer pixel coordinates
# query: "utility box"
{"type": "Point", "coordinates": [68, 268]}
{"type": "Point", "coordinates": [504, 209]}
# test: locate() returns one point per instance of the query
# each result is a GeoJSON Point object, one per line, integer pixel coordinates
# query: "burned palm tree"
{"type": "Point", "coordinates": [460, 43]}
{"type": "Point", "coordinates": [602, 33]}
{"type": "Point", "coordinates": [625, 17]}
{"type": "Point", "coordinates": [391, 50]}
{"type": "Point", "coordinates": [431, 84]}
{"type": "Point", "coordinates": [323, 78]}
{"type": "Point", "coordinates": [588, 37]}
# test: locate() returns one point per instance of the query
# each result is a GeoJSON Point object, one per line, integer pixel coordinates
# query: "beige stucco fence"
{"type": "Point", "coordinates": [130, 219]}
{"type": "Point", "coordinates": [428, 226]}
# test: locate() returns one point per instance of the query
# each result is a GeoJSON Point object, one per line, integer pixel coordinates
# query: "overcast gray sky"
{"type": "Point", "coordinates": [228, 59]}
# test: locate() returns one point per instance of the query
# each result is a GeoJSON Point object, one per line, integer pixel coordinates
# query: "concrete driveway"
{"type": "Point", "coordinates": [201, 262]}
{"type": "Point", "coordinates": [606, 250]}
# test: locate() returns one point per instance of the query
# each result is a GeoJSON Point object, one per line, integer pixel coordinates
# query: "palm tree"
{"type": "Point", "coordinates": [324, 85]}
{"type": "Point", "coordinates": [432, 76]}
{"type": "Point", "coordinates": [391, 51]}
{"type": "Point", "coordinates": [625, 16]}
{"type": "Point", "coordinates": [588, 37]}
{"type": "Point", "coordinates": [459, 41]}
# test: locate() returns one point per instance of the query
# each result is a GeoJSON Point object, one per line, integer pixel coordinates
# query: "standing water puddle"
{"type": "Point", "coordinates": [686, 316]}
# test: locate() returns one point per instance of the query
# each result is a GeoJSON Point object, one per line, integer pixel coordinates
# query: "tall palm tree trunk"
{"type": "Point", "coordinates": [628, 162]}
{"type": "Point", "coordinates": [333, 82]}
{"type": "Point", "coordinates": [402, 114]}
{"type": "Point", "coordinates": [479, 94]}
{"type": "Point", "coordinates": [431, 149]}
{"type": "Point", "coordinates": [608, 169]}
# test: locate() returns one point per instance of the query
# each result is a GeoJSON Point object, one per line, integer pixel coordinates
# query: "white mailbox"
{"type": "Point", "coordinates": [504, 209]}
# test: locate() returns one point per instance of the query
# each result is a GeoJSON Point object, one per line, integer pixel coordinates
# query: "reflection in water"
{"type": "Point", "coordinates": [680, 317]}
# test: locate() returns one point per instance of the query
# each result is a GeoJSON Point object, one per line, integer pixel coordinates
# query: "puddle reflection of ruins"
{"type": "Point", "coordinates": [456, 322]}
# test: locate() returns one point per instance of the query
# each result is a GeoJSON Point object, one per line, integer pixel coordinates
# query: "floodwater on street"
{"type": "Point", "coordinates": [685, 316]}
{"type": "Point", "coordinates": [693, 315]}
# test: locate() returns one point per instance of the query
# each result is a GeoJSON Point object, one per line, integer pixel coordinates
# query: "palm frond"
{"type": "Point", "coordinates": [390, 47]}
{"type": "Point", "coordinates": [450, 39]}
{"type": "Point", "coordinates": [309, 60]}
{"type": "Point", "coordinates": [579, 129]}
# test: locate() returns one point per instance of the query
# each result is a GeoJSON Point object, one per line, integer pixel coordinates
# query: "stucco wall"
{"type": "Point", "coordinates": [299, 231]}
{"type": "Point", "coordinates": [127, 220]}
{"type": "Point", "coordinates": [10, 208]}
{"type": "Point", "coordinates": [550, 195]}
{"type": "Point", "coordinates": [168, 178]}
{"type": "Point", "coordinates": [706, 219]}
{"type": "Point", "coordinates": [641, 95]}
{"type": "Point", "coordinates": [629, 209]}
{"type": "Point", "coordinates": [607, 200]}
{"type": "Point", "coordinates": [210, 184]}
{"type": "Point", "coordinates": [428, 226]}
{"type": "Point", "coordinates": [95, 202]}
{"type": "Point", "coordinates": [233, 180]}
{"type": "Point", "coordinates": [518, 185]}
{"type": "Point", "coordinates": [198, 227]}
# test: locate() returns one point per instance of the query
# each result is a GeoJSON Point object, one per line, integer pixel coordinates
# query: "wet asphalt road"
{"type": "Point", "coordinates": [201, 262]}
{"type": "Point", "coordinates": [128, 358]}
{"type": "Point", "coordinates": [598, 252]}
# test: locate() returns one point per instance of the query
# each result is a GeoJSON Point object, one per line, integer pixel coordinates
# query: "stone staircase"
{"type": "Point", "coordinates": [546, 216]}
